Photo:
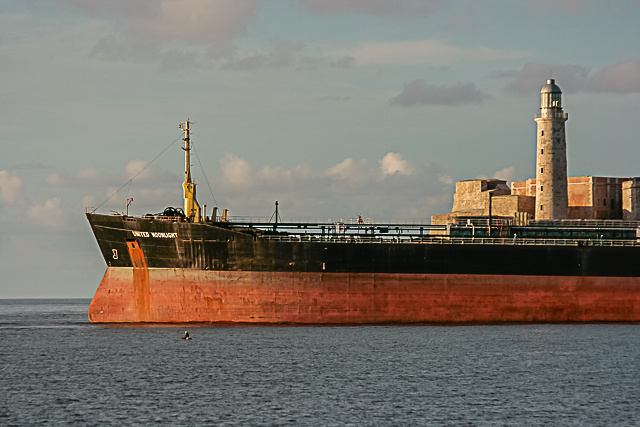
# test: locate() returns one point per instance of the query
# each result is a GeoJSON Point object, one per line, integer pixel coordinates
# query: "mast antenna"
{"type": "Point", "coordinates": [191, 206]}
{"type": "Point", "coordinates": [187, 160]}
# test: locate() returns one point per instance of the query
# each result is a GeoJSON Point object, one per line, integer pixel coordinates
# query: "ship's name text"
{"type": "Point", "coordinates": [154, 234]}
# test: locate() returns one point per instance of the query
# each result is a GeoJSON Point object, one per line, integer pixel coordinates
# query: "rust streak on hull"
{"type": "Point", "coordinates": [169, 295]}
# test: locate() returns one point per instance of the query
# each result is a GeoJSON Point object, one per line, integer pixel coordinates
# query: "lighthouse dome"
{"type": "Point", "coordinates": [551, 87]}
{"type": "Point", "coordinates": [551, 95]}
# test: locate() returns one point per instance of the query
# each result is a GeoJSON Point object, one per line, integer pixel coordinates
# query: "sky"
{"type": "Point", "coordinates": [332, 107]}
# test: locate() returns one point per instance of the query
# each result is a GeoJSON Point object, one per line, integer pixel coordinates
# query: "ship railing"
{"type": "Point", "coordinates": [590, 223]}
{"type": "Point", "coordinates": [258, 220]}
{"type": "Point", "coordinates": [163, 218]}
{"type": "Point", "coordinates": [446, 240]}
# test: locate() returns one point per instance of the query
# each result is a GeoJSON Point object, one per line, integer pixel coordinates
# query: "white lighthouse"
{"type": "Point", "coordinates": [551, 157]}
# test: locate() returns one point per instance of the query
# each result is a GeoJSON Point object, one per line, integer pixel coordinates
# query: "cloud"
{"type": "Point", "coordinates": [284, 54]}
{"type": "Point", "coordinates": [236, 172]}
{"type": "Point", "coordinates": [201, 20]}
{"type": "Point", "coordinates": [622, 77]}
{"type": "Point", "coordinates": [375, 7]}
{"type": "Point", "coordinates": [178, 59]}
{"type": "Point", "coordinates": [89, 174]}
{"type": "Point", "coordinates": [430, 52]}
{"type": "Point", "coordinates": [393, 163]}
{"type": "Point", "coordinates": [153, 185]}
{"type": "Point", "coordinates": [82, 178]}
{"type": "Point", "coordinates": [348, 169]}
{"type": "Point", "coordinates": [176, 33]}
{"type": "Point", "coordinates": [10, 187]}
{"type": "Point", "coordinates": [138, 169]}
{"type": "Point", "coordinates": [343, 62]}
{"type": "Point", "coordinates": [193, 20]}
{"type": "Point", "coordinates": [419, 93]}
{"type": "Point", "coordinates": [49, 214]}
{"type": "Point", "coordinates": [533, 76]}
{"type": "Point", "coordinates": [508, 174]}
{"type": "Point", "coordinates": [224, 55]}
{"type": "Point", "coordinates": [54, 179]}
{"type": "Point", "coordinates": [276, 174]}
{"type": "Point", "coordinates": [393, 187]}
{"type": "Point", "coordinates": [222, 50]}
{"type": "Point", "coordinates": [134, 50]}
{"type": "Point", "coordinates": [307, 63]}
{"type": "Point", "coordinates": [179, 34]}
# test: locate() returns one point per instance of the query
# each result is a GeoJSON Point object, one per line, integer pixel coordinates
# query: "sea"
{"type": "Point", "coordinates": [56, 368]}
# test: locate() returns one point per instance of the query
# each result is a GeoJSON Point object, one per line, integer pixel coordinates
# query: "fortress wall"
{"type": "Point", "coordinates": [580, 191]}
{"type": "Point", "coordinates": [519, 188]}
{"type": "Point", "coordinates": [474, 193]}
{"type": "Point", "coordinates": [631, 199]}
{"type": "Point", "coordinates": [589, 198]}
{"type": "Point", "coordinates": [509, 205]}
{"type": "Point", "coordinates": [607, 197]}
{"type": "Point", "coordinates": [524, 188]}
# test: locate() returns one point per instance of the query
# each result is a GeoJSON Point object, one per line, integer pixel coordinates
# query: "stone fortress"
{"type": "Point", "coordinates": [551, 195]}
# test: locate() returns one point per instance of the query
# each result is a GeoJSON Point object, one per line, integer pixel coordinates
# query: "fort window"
{"type": "Point", "coordinates": [604, 202]}
{"type": "Point", "coordinates": [541, 170]}
{"type": "Point", "coordinates": [612, 204]}
{"type": "Point", "coordinates": [541, 207]}
{"type": "Point", "coordinates": [542, 151]}
{"type": "Point", "coordinates": [541, 133]}
{"type": "Point", "coordinates": [541, 188]}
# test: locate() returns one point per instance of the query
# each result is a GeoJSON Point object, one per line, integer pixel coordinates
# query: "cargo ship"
{"type": "Point", "coordinates": [184, 266]}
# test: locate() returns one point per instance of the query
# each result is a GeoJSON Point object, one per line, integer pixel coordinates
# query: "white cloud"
{"type": "Point", "coordinates": [10, 187]}
{"type": "Point", "coordinates": [89, 174]}
{"type": "Point", "coordinates": [394, 187]}
{"type": "Point", "coordinates": [431, 52]}
{"type": "Point", "coordinates": [508, 174]}
{"type": "Point", "coordinates": [236, 172]}
{"type": "Point", "coordinates": [82, 178]}
{"type": "Point", "coordinates": [53, 179]}
{"type": "Point", "coordinates": [274, 174]}
{"type": "Point", "coordinates": [49, 214]}
{"type": "Point", "coordinates": [136, 169]}
{"type": "Point", "coordinates": [393, 163]}
{"type": "Point", "coordinates": [350, 170]}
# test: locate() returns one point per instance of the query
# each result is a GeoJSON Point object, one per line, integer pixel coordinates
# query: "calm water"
{"type": "Point", "coordinates": [56, 368]}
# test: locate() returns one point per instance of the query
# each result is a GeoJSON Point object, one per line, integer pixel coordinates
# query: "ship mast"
{"type": "Point", "coordinates": [191, 206]}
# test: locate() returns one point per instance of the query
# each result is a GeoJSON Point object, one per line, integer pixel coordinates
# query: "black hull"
{"type": "Point", "coordinates": [206, 246]}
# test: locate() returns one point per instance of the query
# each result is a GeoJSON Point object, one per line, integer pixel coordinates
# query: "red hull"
{"type": "Point", "coordinates": [184, 295]}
